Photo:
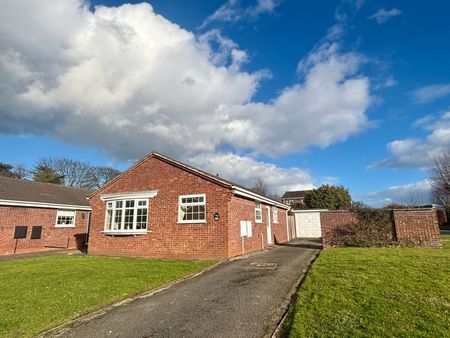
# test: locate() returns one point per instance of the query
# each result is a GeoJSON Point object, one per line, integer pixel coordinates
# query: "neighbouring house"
{"type": "Point", "coordinates": [163, 208]}
{"type": "Point", "coordinates": [294, 198]}
{"type": "Point", "coordinates": [38, 216]}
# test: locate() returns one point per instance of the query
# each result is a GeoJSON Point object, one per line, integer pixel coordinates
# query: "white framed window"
{"type": "Point", "coordinates": [258, 212]}
{"type": "Point", "coordinates": [192, 208]}
{"type": "Point", "coordinates": [126, 216]}
{"type": "Point", "coordinates": [65, 218]}
{"type": "Point", "coordinates": [275, 214]}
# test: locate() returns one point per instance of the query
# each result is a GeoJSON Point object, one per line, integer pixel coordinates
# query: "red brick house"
{"type": "Point", "coordinates": [163, 208]}
{"type": "Point", "coordinates": [45, 216]}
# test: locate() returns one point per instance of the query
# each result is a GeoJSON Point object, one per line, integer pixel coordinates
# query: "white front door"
{"type": "Point", "coordinates": [308, 224]}
{"type": "Point", "coordinates": [269, 227]}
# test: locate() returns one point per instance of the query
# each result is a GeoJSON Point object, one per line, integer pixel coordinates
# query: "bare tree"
{"type": "Point", "coordinates": [440, 180]}
{"type": "Point", "coordinates": [21, 171]}
{"type": "Point", "coordinates": [75, 173]}
{"type": "Point", "coordinates": [261, 187]}
{"type": "Point", "coordinates": [102, 175]}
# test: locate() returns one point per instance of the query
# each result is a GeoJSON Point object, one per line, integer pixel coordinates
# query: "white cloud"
{"type": "Point", "coordinates": [432, 92]}
{"type": "Point", "coordinates": [127, 80]}
{"type": "Point", "coordinates": [244, 170]}
{"type": "Point", "coordinates": [412, 193]}
{"type": "Point", "coordinates": [232, 11]}
{"type": "Point", "coordinates": [382, 15]}
{"type": "Point", "coordinates": [419, 152]}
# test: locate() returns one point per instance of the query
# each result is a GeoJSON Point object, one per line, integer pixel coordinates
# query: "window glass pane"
{"type": "Point", "coordinates": [129, 204]}
{"type": "Point", "coordinates": [142, 203]}
{"type": "Point", "coordinates": [141, 219]}
{"type": "Point", "coordinates": [108, 219]}
{"type": "Point", "coordinates": [109, 206]}
{"type": "Point", "coordinates": [119, 204]}
{"type": "Point", "coordinates": [117, 219]}
{"type": "Point", "coordinates": [128, 222]}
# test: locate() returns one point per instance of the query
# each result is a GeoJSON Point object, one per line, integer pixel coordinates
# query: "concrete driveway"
{"type": "Point", "coordinates": [240, 298]}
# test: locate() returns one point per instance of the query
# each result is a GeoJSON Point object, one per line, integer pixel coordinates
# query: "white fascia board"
{"type": "Point", "coordinates": [246, 193]}
{"type": "Point", "coordinates": [129, 195]}
{"type": "Point", "coordinates": [308, 210]}
{"type": "Point", "coordinates": [44, 205]}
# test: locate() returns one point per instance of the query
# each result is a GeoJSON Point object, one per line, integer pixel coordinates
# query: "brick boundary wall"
{"type": "Point", "coordinates": [442, 217]}
{"type": "Point", "coordinates": [419, 227]}
{"type": "Point", "coordinates": [331, 220]}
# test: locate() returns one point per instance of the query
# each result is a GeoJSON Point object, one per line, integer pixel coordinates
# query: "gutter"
{"type": "Point", "coordinates": [44, 205]}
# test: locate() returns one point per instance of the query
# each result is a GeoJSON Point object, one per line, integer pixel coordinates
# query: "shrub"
{"type": "Point", "coordinates": [374, 227]}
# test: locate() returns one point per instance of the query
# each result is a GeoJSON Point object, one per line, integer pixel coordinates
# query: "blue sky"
{"type": "Point", "coordinates": [373, 126]}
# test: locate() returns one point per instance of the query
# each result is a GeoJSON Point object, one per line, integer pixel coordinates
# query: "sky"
{"type": "Point", "coordinates": [301, 93]}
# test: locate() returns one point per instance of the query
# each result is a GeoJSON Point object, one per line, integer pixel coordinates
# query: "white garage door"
{"type": "Point", "coordinates": [308, 224]}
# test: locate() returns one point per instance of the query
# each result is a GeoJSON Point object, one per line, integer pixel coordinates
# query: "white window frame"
{"type": "Point", "coordinates": [246, 229]}
{"type": "Point", "coordinates": [275, 215]}
{"type": "Point", "coordinates": [258, 220]}
{"type": "Point", "coordinates": [136, 207]}
{"type": "Point", "coordinates": [65, 213]}
{"type": "Point", "coordinates": [180, 204]}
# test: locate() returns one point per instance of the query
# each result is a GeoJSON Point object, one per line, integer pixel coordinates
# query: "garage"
{"type": "Point", "coordinates": [307, 223]}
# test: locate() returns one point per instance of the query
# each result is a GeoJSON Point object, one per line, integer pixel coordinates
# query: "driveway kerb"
{"type": "Point", "coordinates": [290, 299]}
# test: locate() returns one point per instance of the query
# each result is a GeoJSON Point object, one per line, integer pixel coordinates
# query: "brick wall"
{"type": "Point", "coordinates": [241, 209]}
{"type": "Point", "coordinates": [331, 220]}
{"type": "Point", "coordinates": [412, 226]}
{"type": "Point", "coordinates": [418, 227]}
{"type": "Point", "coordinates": [51, 237]}
{"type": "Point", "coordinates": [165, 238]}
{"type": "Point", "coordinates": [442, 217]}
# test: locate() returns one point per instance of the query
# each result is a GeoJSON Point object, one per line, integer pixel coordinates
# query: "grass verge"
{"type": "Point", "coordinates": [39, 293]}
{"type": "Point", "coordinates": [382, 292]}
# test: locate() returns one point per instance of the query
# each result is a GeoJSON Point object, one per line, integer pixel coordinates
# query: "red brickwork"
{"type": "Point", "coordinates": [52, 237]}
{"type": "Point", "coordinates": [165, 237]}
{"type": "Point", "coordinates": [412, 226]}
{"type": "Point", "coordinates": [331, 220]}
{"type": "Point", "coordinates": [442, 217]}
{"type": "Point", "coordinates": [240, 209]}
{"type": "Point", "coordinates": [418, 227]}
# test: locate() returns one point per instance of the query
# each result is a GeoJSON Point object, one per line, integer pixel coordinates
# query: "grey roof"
{"type": "Point", "coordinates": [14, 189]}
{"type": "Point", "coordinates": [295, 194]}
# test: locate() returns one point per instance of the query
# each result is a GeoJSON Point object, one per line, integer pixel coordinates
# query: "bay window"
{"type": "Point", "coordinates": [126, 216]}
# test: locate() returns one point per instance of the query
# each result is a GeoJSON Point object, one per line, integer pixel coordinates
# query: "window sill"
{"type": "Point", "coordinates": [258, 222]}
{"type": "Point", "coordinates": [125, 233]}
{"type": "Point", "coordinates": [191, 222]}
{"type": "Point", "coordinates": [64, 226]}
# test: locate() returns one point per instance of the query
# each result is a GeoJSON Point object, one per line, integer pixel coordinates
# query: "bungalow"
{"type": "Point", "coordinates": [163, 208]}
{"type": "Point", "coordinates": [38, 216]}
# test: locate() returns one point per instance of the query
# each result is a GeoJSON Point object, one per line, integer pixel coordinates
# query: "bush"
{"type": "Point", "coordinates": [328, 197]}
{"type": "Point", "coordinates": [374, 227]}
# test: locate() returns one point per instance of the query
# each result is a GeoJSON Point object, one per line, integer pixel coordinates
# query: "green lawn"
{"type": "Point", "coordinates": [39, 293]}
{"type": "Point", "coordinates": [375, 292]}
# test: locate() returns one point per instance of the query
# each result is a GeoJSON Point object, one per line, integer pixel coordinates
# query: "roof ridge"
{"type": "Point", "coordinates": [62, 186]}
